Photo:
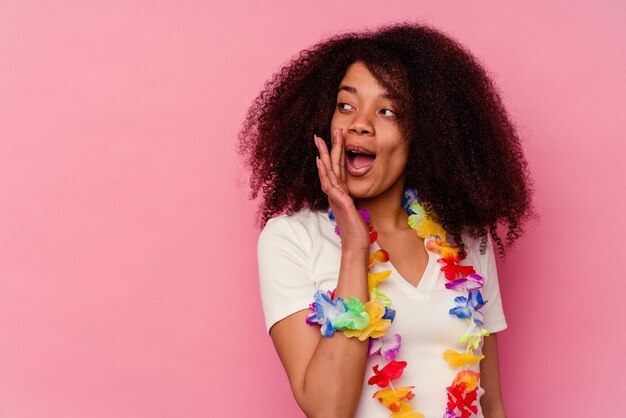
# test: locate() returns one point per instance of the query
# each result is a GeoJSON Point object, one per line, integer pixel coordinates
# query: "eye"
{"type": "Point", "coordinates": [388, 112]}
{"type": "Point", "coordinates": [344, 106]}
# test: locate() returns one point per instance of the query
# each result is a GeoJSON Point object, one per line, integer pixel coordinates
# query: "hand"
{"type": "Point", "coordinates": [332, 172]}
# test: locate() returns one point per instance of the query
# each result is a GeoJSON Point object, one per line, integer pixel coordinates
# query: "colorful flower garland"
{"type": "Point", "coordinates": [371, 320]}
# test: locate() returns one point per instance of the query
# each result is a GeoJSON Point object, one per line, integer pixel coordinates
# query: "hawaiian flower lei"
{"type": "Point", "coordinates": [371, 320]}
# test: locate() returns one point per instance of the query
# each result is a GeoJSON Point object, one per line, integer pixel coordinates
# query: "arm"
{"type": "Point", "coordinates": [326, 374]}
{"type": "Point", "coordinates": [491, 401]}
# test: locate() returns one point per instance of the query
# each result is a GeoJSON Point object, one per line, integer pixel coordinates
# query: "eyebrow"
{"type": "Point", "coordinates": [353, 90]}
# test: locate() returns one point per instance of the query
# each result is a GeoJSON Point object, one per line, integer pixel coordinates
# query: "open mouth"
{"type": "Point", "coordinates": [359, 160]}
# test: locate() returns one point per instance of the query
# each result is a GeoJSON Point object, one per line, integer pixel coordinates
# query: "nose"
{"type": "Point", "coordinates": [361, 124]}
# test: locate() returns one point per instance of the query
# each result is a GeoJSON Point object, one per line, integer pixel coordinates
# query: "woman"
{"type": "Point", "coordinates": [418, 162]}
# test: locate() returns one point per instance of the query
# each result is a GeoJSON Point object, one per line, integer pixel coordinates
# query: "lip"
{"type": "Point", "coordinates": [358, 149]}
{"type": "Point", "coordinates": [358, 171]}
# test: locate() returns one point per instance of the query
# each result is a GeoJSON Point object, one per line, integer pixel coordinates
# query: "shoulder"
{"type": "Point", "coordinates": [299, 228]}
{"type": "Point", "coordinates": [473, 246]}
{"type": "Point", "coordinates": [288, 253]}
{"type": "Point", "coordinates": [304, 217]}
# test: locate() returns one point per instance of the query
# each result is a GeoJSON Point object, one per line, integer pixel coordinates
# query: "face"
{"type": "Point", "coordinates": [375, 149]}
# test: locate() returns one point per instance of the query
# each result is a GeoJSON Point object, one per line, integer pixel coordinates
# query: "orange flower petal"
{"type": "Point", "coordinates": [467, 377]}
{"type": "Point", "coordinates": [391, 398]}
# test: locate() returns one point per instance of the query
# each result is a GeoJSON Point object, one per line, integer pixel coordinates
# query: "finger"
{"type": "Point", "coordinates": [325, 157]}
{"type": "Point", "coordinates": [342, 160]}
{"type": "Point", "coordinates": [327, 186]}
{"type": "Point", "coordinates": [335, 154]}
{"type": "Point", "coordinates": [335, 194]}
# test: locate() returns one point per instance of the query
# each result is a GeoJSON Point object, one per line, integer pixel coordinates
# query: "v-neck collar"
{"type": "Point", "coordinates": [426, 282]}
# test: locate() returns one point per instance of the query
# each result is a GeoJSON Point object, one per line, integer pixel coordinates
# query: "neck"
{"type": "Point", "coordinates": [385, 210]}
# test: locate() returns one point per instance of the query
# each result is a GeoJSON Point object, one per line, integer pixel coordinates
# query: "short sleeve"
{"type": "Point", "coordinates": [284, 270]}
{"type": "Point", "coordinates": [494, 319]}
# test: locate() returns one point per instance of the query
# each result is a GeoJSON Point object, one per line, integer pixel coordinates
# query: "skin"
{"type": "Point", "coordinates": [326, 374]}
{"type": "Point", "coordinates": [491, 402]}
{"type": "Point", "coordinates": [367, 115]}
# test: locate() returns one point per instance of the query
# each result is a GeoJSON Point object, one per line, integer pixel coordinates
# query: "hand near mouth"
{"type": "Point", "coordinates": [332, 173]}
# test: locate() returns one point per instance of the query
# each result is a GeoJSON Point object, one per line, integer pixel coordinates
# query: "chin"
{"type": "Point", "coordinates": [358, 190]}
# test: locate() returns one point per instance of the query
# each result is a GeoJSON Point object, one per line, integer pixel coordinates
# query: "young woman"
{"type": "Point", "coordinates": [385, 160]}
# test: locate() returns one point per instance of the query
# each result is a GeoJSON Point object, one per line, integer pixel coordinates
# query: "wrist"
{"type": "Point", "coordinates": [355, 254]}
{"type": "Point", "coordinates": [353, 274]}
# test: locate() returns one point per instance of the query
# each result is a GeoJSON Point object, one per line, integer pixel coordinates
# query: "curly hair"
{"type": "Point", "coordinates": [465, 157]}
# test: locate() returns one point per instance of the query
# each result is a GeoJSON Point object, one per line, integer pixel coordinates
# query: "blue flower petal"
{"type": "Point", "coordinates": [389, 313]}
{"type": "Point", "coordinates": [476, 299]}
{"type": "Point", "coordinates": [477, 317]}
{"type": "Point", "coordinates": [327, 329]}
{"type": "Point", "coordinates": [325, 311]}
{"type": "Point", "coordinates": [462, 313]}
{"type": "Point", "coordinates": [409, 197]}
{"type": "Point", "coordinates": [460, 301]}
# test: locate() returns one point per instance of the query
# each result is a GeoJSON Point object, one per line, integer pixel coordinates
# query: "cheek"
{"type": "Point", "coordinates": [400, 155]}
{"type": "Point", "coordinates": [334, 121]}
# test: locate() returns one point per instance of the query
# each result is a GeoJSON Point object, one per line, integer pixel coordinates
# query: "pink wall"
{"type": "Point", "coordinates": [122, 199]}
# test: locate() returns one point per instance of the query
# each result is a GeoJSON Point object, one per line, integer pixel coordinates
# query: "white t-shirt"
{"type": "Point", "coordinates": [300, 254]}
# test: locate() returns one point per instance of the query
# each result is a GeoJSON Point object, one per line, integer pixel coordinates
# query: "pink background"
{"type": "Point", "coordinates": [128, 282]}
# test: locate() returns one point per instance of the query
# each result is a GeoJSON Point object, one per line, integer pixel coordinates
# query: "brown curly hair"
{"type": "Point", "coordinates": [465, 158]}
